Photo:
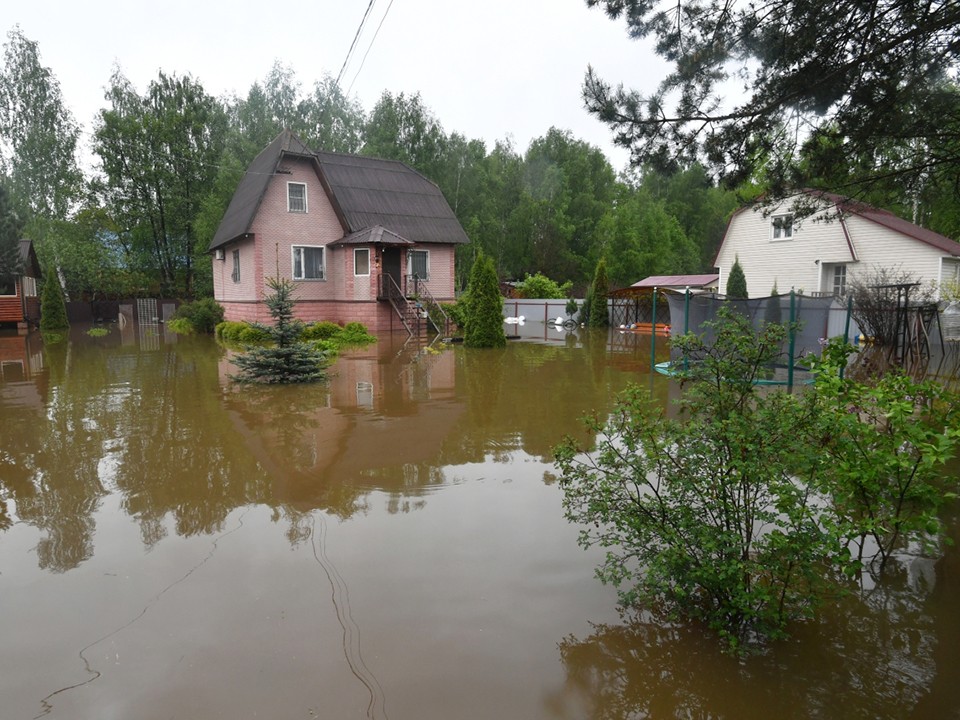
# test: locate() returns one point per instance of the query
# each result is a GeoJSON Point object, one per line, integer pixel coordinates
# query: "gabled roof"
{"type": "Point", "coordinates": [887, 219]}
{"type": "Point", "coordinates": [891, 221]}
{"type": "Point", "coordinates": [365, 193]}
{"type": "Point", "coordinates": [376, 235]}
{"type": "Point", "coordinates": [28, 256]}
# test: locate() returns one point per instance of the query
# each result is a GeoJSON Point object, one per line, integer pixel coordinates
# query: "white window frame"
{"type": "Point", "coordinates": [781, 227]}
{"type": "Point", "coordinates": [839, 274]}
{"type": "Point", "coordinates": [293, 263]}
{"type": "Point", "coordinates": [290, 207]}
{"type": "Point", "coordinates": [28, 286]}
{"type": "Point", "coordinates": [410, 254]}
{"type": "Point", "coordinates": [356, 252]}
{"type": "Point", "coordinates": [235, 275]}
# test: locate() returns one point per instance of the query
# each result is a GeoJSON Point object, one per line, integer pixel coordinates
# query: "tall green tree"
{"type": "Point", "coordinates": [401, 127]}
{"type": "Point", "coordinates": [699, 205]}
{"type": "Point", "coordinates": [640, 238]}
{"type": "Point", "coordinates": [159, 154]}
{"type": "Point", "coordinates": [863, 73]}
{"type": "Point", "coordinates": [10, 227]}
{"type": "Point", "coordinates": [332, 121]}
{"type": "Point", "coordinates": [38, 134]}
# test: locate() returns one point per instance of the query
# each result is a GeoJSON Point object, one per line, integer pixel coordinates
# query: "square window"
{"type": "Point", "coordinates": [296, 197]}
{"type": "Point", "coordinates": [8, 286]}
{"type": "Point", "coordinates": [307, 262]}
{"type": "Point", "coordinates": [361, 261]}
{"type": "Point", "coordinates": [782, 226]}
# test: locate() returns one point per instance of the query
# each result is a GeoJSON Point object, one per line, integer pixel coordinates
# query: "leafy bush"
{"type": "Point", "coordinates": [455, 311]}
{"type": "Point", "coordinates": [353, 334]}
{"type": "Point", "coordinates": [242, 333]}
{"type": "Point", "coordinates": [98, 332]}
{"type": "Point", "coordinates": [203, 315]}
{"type": "Point", "coordinates": [750, 508]}
{"type": "Point", "coordinates": [181, 326]}
{"type": "Point", "coordinates": [540, 286]}
{"type": "Point", "coordinates": [323, 330]}
{"type": "Point", "coordinates": [228, 330]}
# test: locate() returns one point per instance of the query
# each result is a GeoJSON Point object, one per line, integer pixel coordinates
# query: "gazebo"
{"type": "Point", "coordinates": [633, 305]}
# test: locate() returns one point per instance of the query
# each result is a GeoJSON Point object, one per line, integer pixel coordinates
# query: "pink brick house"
{"type": "Point", "coordinates": [362, 239]}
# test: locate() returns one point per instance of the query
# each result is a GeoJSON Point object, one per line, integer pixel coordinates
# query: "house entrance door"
{"type": "Point", "coordinates": [392, 268]}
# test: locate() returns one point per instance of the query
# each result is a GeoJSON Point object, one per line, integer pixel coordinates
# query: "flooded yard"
{"type": "Point", "coordinates": [390, 544]}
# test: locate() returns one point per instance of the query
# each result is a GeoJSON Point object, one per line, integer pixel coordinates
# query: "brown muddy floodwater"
{"type": "Point", "coordinates": [387, 545]}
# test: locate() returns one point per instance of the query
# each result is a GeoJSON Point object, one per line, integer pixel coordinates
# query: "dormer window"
{"type": "Point", "coordinates": [296, 197]}
{"type": "Point", "coordinates": [782, 227]}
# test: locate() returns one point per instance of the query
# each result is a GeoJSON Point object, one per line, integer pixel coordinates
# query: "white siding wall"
{"type": "Point", "coordinates": [793, 263]}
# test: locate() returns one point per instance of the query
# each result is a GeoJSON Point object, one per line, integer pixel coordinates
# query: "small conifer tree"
{"type": "Point", "coordinates": [288, 359]}
{"type": "Point", "coordinates": [737, 282]}
{"type": "Point", "coordinates": [483, 327]}
{"type": "Point", "coordinates": [53, 306]}
{"type": "Point", "coordinates": [599, 292]}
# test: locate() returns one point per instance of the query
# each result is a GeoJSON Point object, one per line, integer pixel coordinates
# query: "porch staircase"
{"type": "Point", "coordinates": [418, 313]}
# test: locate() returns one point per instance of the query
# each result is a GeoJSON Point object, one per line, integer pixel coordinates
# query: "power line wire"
{"type": "Point", "coordinates": [366, 14]}
{"type": "Point", "coordinates": [369, 46]}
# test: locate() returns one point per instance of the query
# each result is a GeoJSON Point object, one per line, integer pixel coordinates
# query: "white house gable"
{"type": "Point", "coordinates": [823, 252]}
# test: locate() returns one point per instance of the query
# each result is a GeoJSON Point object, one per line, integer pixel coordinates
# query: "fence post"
{"type": "Point", "coordinates": [653, 334]}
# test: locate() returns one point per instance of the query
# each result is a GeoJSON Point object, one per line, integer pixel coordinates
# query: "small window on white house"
{"type": "Point", "coordinates": [418, 264]}
{"type": "Point", "coordinates": [307, 262]}
{"type": "Point", "coordinates": [782, 227]}
{"type": "Point", "coordinates": [296, 197]}
{"type": "Point", "coordinates": [236, 266]}
{"type": "Point", "coordinates": [361, 261]}
{"type": "Point", "coordinates": [839, 280]}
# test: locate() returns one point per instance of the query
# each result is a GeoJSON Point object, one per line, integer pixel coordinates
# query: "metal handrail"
{"type": "Point", "coordinates": [421, 291]}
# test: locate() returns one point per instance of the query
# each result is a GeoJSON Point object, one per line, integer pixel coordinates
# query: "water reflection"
{"type": "Point", "coordinates": [162, 425]}
{"type": "Point", "coordinates": [874, 658]}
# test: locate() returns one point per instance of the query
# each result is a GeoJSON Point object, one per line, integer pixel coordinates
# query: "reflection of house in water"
{"type": "Point", "coordinates": [384, 413]}
{"type": "Point", "coordinates": [22, 380]}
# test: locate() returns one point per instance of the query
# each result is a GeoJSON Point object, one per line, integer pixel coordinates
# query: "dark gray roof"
{"type": "Point", "coordinates": [365, 192]}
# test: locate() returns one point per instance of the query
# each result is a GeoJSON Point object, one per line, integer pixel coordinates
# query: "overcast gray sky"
{"type": "Point", "coordinates": [488, 69]}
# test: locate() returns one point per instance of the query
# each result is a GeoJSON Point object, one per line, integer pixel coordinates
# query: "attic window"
{"type": "Point", "coordinates": [296, 197]}
{"type": "Point", "coordinates": [782, 227]}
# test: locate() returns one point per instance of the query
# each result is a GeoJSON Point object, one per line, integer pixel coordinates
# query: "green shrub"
{"type": "Point", "coordinates": [179, 325]}
{"type": "Point", "coordinates": [241, 333]}
{"type": "Point", "coordinates": [540, 286]}
{"type": "Point", "coordinates": [228, 330]}
{"type": "Point", "coordinates": [323, 330]}
{"type": "Point", "coordinates": [98, 332]}
{"type": "Point", "coordinates": [353, 334]}
{"type": "Point", "coordinates": [203, 314]}
{"type": "Point", "coordinates": [455, 311]}
{"type": "Point", "coordinates": [253, 335]}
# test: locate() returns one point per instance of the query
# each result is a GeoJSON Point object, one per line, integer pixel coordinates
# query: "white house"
{"type": "Point", "coordinates": [822, 252]}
